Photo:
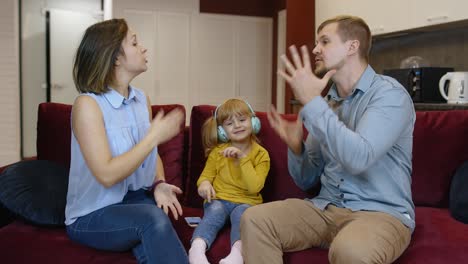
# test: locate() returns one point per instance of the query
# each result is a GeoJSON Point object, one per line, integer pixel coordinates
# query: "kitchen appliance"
{"type": "Point", "coordinates": [457, 91]}
{"type": "Point", "coordinates": [421, 83]}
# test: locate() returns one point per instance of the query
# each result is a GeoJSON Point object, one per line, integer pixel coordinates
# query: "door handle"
{"type": "Point", "coordinates": [57, 86]}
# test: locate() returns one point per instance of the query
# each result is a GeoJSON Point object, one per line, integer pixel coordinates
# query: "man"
{"type": "Point", "coordinates": [359, 148]}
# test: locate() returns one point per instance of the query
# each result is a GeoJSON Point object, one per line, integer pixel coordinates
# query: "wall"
{"type": "Point", "coordinates": [33, 63]}
{"type": "Point", "coordinates": [261, 8]}
{"type": "Point", "coordinates": [443, 48]}
{"type": "Point", "coordinates": [265, 8]}
{"type": "Point", "coordinates": [300, 30]}
{"type": "Point", "coordinates": [9, 78]}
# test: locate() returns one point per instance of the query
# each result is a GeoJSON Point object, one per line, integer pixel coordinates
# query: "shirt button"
{"type": "Point", "coordinates": [342, 180]}
{"type": "Point", "coordinates": [341, 195]}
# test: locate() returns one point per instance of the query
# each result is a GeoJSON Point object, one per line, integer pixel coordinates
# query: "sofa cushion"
{"type": "Point", "coordinates": [36, 190]}
{"type": "Point", "coordinates": [278, 185]}
{"type": "Point", "coordinates": [54, 135]}
{"type": "Point", "coordinates": [172, 152]}
{"type": "Point", "coordinates": [437, 238]}
{"type": "Point", "coordinates": [459, 194]}
{"type": "Point", "coordinates": [440, 146]}
{"type": "Point", "coordinates": [23, 243]}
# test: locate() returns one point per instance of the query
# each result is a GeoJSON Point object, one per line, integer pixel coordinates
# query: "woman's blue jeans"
{"type": "Point", "coordinates": [215, 216]}
{"type": "Point", "coordinates": [136, 223]}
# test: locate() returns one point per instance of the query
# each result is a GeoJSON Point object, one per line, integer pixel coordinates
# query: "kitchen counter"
{"type": "Point", "coordinates": [417, 106]}
{"type": "Point", "coordinates": [439, 106]}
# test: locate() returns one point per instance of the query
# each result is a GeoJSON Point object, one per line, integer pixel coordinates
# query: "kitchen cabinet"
{"type": "Point", "coordinates": [427, 13]}
{"type": "Point", "coordinates": [381, 16]}
{"type": "Point", "coordinates": [391, 16]}
{"type": "Point", "coordinates": [325, 9]}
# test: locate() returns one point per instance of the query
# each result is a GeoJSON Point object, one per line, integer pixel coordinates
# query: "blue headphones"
{"type": "Point", "coordinates": [256, 124]}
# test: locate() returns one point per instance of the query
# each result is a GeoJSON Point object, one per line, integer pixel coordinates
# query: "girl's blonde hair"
{"type": "Point", "coordinates": [224, 111]}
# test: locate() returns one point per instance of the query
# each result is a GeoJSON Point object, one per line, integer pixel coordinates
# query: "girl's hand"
{"type": "Point", "coordinates": [165, 196]}
{"type": "Point", "coordinates": [206, 191]}
{"type": "Point", "coordinates": [232, 152]}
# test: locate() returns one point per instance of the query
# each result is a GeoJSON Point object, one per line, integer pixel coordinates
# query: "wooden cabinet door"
{"type": "Point", "coordinates": [427, 13]}
{"type": "Point", "coordinates": [382, 16]}
{"type": "Point", "coordinates": [325, 9]}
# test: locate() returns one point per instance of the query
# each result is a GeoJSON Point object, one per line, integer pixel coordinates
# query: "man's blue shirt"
{"type": "Point", "coordinates": [361, 149]}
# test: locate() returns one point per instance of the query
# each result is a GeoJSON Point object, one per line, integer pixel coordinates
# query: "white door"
{"type": "Point", "coordinates": [166, 35]}
{"type": "Point", "coordinates": [214, 59]}
{"type": "Point", "coordinates": [254, 49]}
{"type": "Point", "coordinates": [66, 28]}
{"type": "Point", "coordinates": [232, 58]}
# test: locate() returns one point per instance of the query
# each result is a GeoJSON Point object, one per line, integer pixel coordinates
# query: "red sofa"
{"type": "Point", "coordinates": [440, 147]}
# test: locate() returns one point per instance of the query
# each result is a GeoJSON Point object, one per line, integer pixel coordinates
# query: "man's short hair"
{"type": "Point", "coordinates": [350, 28]}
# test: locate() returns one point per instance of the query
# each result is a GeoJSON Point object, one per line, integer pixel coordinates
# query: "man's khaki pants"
{"type": "Point", "coordinates": [269, 229]}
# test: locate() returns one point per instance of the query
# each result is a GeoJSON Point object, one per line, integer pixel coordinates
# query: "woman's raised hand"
{"type": "Point", "coordinates": [166, 126]}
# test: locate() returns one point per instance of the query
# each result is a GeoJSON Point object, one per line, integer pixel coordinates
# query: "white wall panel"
{"type": "Point", "coordinates": [254, 67]}
{"type": "Point", "coordinates": [201, 58]}
{"type": "Point", "coordinates": [9, 78]}
{"type": "Point", "coordinates": [215, 61]}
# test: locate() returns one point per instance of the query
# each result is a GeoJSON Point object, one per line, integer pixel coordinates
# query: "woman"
{"type": "Point", "coordinates": [116, 176]}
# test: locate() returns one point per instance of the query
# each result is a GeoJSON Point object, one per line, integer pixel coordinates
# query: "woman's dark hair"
{"type": "Point", "coordinates": [93, 68]}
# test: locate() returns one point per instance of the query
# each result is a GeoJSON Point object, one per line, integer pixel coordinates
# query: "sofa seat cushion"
{"type": "Point", "coordinates": [23, 243]}
{"type": "Point", "coordinates": [312, 255]}
{"type": "Point", "coordinates": [438, 238]}
{"type": "Point", "coordinates": [221, 246]}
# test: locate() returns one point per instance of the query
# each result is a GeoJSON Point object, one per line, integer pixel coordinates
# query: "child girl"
{"type": "Point", "coordinates": [233, 176]}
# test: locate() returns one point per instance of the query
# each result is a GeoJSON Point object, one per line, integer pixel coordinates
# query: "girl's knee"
{"type": "Point", "coordinates": [214, 205]}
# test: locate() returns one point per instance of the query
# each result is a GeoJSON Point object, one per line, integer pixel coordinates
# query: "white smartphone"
{"type": "Point", "coordinates": [193, 221]}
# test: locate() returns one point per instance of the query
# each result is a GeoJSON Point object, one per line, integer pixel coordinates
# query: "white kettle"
{"type": "Point", "coordinates": [457, 88]}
